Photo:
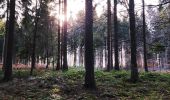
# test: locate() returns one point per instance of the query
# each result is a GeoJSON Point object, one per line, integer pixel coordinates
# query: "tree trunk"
{"type": "Point", "coordinates": [61, 51]}
{"type": "Point", "coordinates": [134, 69]}
{"type": "Point", "coordinates": [47, 47]}
{"type": "Point", "coordinates": [116, 37]}
{"type": "Point", "coordinates": [89, 54]}
{"type": "Point", "coordinates": [59, 45]}
{"type": "Point", "coordinates": [101, 58]}
{"type": "Point", "coordinates": [81, 56]}
{"type": "Point", "coordinates": [6, 36]}
{"type": "Point", "coordinates": [75, 56]}
{"type": "Point", "coordinates": [144, 38]}
{"type": "Point", "coordinates": [109, 38]}
{"type": "Point", "coordinates": [10, 38]}
{"type": "Point", "coordinates": [106, 54]}
{"type": "Point", "coordinates": [47, 59]}
{"type": "Point", "coordinates": [34, 40]}
{"type": "Point", "coordinates": [65, 66]}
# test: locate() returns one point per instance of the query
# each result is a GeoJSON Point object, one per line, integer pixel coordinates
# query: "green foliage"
{"type": "Point", "coordinates": [158, 47]}
{"type": "Point", "coordinates": [46, 84]}
{"type": "Point", "coordinates": [155, 77]}
{"type": "Point", "coordinates": [2, 28]}
{"type": "Point", "coordinates": [74, 74]}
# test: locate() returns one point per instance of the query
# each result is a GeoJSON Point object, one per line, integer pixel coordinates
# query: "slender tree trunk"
{"type": "Point", "coordinates": [106, 54]}
{"type": "Point", "coordinates": [144, 38]}
{"type": "Point", "coordinates": [47, 66]}
{"type": "Point", "coordinates": [59, 45]}
{"type": "Point", "coordinates": [121, 56]}
{"type": "Point", "coordinates": [134, 69]}
{"type": "Point", "coordinates": [75, 56]}
{"type": "Point", "coordinates": [61, 51]}
{"type": "Point", "coordinates": [111, 51]}
{"type": "Point", "coordinates": [47, 48]}
{"type": "Point", "coordinates": [52, 48]}
{"type": "Point", "coordinates": [34, 41]}
{"type": "Point", "coordinates": [44, 60]}
{"type": "Point", "coordinates": [101, 58]}
{"type": "Point", "coordinates": [109, 38]}
{"type": "Point", "coordinates": [65, 66]}
{"type": "Point", "coordinates": [6, 36]}
{"type": "Point", "coordinates": [116, 37]}
{"type": "Point", "coordinates": [81, 55]}
{"type": "Point", "coordinates": [89, 54]}
{"type": "Point", "coordinates": [10, 38]}
{"type": "Point", "coordinates": [37, 59]}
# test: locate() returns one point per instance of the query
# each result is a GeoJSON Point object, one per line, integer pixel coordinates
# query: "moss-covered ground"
{"type": "Point", "coordinates": [53, 85]}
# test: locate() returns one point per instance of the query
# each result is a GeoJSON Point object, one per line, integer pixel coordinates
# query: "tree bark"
{"type": "Point", "coordinates": [109, 38]}
{"type": "Point", "coordinates": [134, 69]}
{"type": "Point", "coordinates": [65, 66]}
{"type": "Point", "coordinates": [47, 66]}
{"type": "Point", "coordinates": [10, 38]}
{"type": "Point", "coordinates": [81, 56]}
{"type": "Point", "coordinates": [116, 47]}
{"type": "Point", "coordinates": [75, 56]}
{"type": "Point", "coordinates": [34, 40]}
{"type": "Point", "coordinates": [89, 54]}
{"type": "Point", "coordinates": [144, 38]}
{"type": "Point", "coordinates": [59, 45]}
{"type": "Point", "coordinates": [61, 50]}
{"type": "Point", "coordinates": [6, 36]}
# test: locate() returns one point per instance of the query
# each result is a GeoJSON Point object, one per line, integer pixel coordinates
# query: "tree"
{"type": "Point", "coordinates": [89, 54]}
{"type": "Point", "coordinates": [116, 47]}
{"type": "Point", "coordinates": [144, 38]}
{"type": "Point", "coordinates": [24, 39]}
{"type": "Point", "coordinates": [65, 66]}
{"type": "Point", "coordinates": [34, 39]}
{"type": "Point", "coordinates": [134, 69]}
{"type": "Point", "coordinates": [109, 36]}
{"type": "Point", "coordinates": [6, 33]}
{"type": "Point", "coordinates": [2, 35]}
{"type": "Point", "coordinates": [59, 30]}
{"type": "Point", "coordinates": [10, 38]}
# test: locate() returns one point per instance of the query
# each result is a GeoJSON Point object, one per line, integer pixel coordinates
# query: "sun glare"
{"type": "Point", "coordinates": [75, 6]}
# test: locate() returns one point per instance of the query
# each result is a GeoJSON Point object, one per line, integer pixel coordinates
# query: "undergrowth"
{"type": "Point", "coordinates": [68, 85]}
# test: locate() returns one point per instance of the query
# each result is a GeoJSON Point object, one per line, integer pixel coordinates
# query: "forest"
{"type": "Point", "coordinates": [84, 49]}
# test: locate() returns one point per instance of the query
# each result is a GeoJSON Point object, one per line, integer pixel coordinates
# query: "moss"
{"type": "Point", "coordinates": [47, 84]}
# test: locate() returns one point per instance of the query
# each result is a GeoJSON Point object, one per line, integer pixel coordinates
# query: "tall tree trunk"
{"type": "Point", "coordinates": [52, 47]}
{"type": "Point", "coordinates": [10, 38]}
{"type": "Point", "coordinates": [47, 48]}
{"type": "Point", "coordinates": [6, 36]}
{"type": "Point", "coordinates": [101, 58]}
{"type": "Point", "coordinates": [134, 69]}
{"type": "Point", "coordinates": [116, 37]}
{"type": "Point", "coordinates": [34, 40]}
{"type": "Point", "coordinates": [65, 66]}
{"type": "Point", "coordinates": [59, 45]}
{"type": "Point", "coordinates": [75, 56]}
{"type": "Point", "coordinates": [89, 54]}
{"type": "Point", "coordinates": [109, 38]}
{"type": "Point", "coordinates": [81, 56]}
{"type": "Point", "coordinates": [144, 38]}
{"type": "Point", "coordinates": [47, 57]}
{"type": "Point", "coordinates": [105, 52]}
{"type": "Point", "coordinates": [61, 50]}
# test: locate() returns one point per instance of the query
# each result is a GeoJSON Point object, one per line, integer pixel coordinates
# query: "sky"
{"type": "Point", "coordinates": [74, 6]}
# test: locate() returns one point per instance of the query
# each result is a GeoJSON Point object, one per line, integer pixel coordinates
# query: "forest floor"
{"type": "Point", "coordinates": [53, 85]}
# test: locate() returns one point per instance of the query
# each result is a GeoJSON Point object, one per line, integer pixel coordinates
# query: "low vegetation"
{"type": "Point", "coordinates": [52, 85]}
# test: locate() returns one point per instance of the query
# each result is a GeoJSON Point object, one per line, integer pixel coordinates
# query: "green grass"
{"type": "Point", "coordinates": [68, 85]}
